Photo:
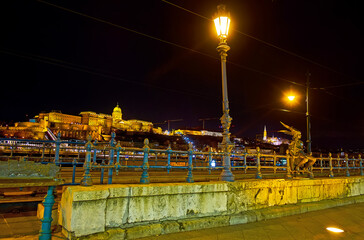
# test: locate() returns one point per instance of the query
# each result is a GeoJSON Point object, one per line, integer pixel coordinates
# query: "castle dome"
{"type": "Point", "coordinates": [117, 108]}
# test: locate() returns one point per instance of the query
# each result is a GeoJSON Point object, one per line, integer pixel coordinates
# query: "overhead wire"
{"type": "Point", "coordinates": [259, 40]}
{"type": "Point", "coordinates": [80, 68]}
{"type": "Point", "coordinates": [165, 41]}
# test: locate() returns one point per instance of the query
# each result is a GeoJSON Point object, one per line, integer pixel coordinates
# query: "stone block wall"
{"type": "Point", "coordinates": [131, 211]}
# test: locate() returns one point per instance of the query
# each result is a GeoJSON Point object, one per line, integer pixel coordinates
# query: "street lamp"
{"type": "Point", "coordinates": [291, 98]}
{"type": "Point", "coordinates": [222, 23]}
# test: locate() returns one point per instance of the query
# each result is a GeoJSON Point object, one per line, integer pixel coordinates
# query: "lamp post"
{"type": "Point", "coordinates": [308, 120]}
{"type": "Point", "coordinates": [222, 22]}
{"type": "Point", "coordinates": [292, 98]}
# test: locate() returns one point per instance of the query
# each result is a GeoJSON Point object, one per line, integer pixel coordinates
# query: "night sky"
{"type": "Point", "coordinates": [159, 62]}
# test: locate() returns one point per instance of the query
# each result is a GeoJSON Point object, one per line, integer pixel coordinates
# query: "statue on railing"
{"type": "Point", "coordinates": [300, 161]}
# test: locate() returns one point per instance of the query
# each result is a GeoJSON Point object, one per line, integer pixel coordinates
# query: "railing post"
{"type": "Point", "coordinates": [86, 178]}
{"type": "Point", "coordinates": [117, 164]}
{"type": "Point", "coordinates": [245, 166]}
{"type": "Point", "coordinates": [288, 166]}
{"type": "Point", "coordinates": [258, 174]}
{"type": "Point", "coordinates": [169, 151]}
{"type": "Point", "coordinates": [43, 152]}
{"type": "Point", "coordinates": [321, 163]}
{"type": "Point", "coordinates": [11, 150]}
{"type": "Point", "coordinates": [274, 162]}
{"type": "Point", "coordinates": [347, 165]}
{"type": "Point", "coordinates": [210, 159]}
{"type": "Point", "coordinates": [111, 157]}
{"type": "Point", "coordinates": [74, 164]}
{"type": "Point", "coordinates": [58, 144]}
{"type": "Point", "coordinates": [102, 169]}
{"type": "Point", "coordinates": [95, 152]}
{"type": "Point", "coordinates": [310, 170]}
{"type": "Point", "coordinates": [338, 163]}
{"type": "Point", "coordinates": [361, 165]}
{"type": "Point", "coordinates": [331, 174]}
{"type": "Point", "coordinates": [45, 232]}
{"type": "Point", "coordinates": [190, 166]}
{"type": "Point", "coordinates": [145, 176]}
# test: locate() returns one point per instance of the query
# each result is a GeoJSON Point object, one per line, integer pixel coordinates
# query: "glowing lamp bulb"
{"type": "Point", "coordinates": [333, 229]}
{"type": "Point", "coordinates": [222, 22]}
{"type": "Point", "coordinates": [291, 98]}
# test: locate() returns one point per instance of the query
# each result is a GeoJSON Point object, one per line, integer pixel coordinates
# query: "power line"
{"type": "Point", "coordinates": [84, 69]}
{"type": "Point", "coordinates": [260, 40]}
{"type": "Point", "coordinates": [164, 41]}
{"type": "Point", "coordinates": [342, 85]}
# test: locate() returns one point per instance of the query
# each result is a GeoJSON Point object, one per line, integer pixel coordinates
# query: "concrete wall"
{"type": "Point", "coordinates": [131, 211]}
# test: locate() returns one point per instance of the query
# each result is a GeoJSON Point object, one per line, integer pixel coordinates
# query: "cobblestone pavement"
{"type": "Point", "coordinates": [310, 225]}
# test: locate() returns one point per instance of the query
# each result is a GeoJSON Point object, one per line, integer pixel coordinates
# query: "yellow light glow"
{"type": "Point", "coordinates": [222, 25]}
{"type": "Point", "coordinates": [333, 229]}
{"type": "Point", "coordinates": [291, 97]}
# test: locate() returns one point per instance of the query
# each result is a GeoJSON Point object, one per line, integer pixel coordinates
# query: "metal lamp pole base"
{"type": "Point", "coordinates": [226, 144]}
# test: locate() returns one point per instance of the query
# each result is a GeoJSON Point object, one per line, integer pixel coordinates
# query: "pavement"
{"type": "Point", "coordinates": [310, 225]}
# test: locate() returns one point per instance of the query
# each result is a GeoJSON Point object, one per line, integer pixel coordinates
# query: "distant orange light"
{"type": "Point", "coordinates": [291, 98]}
{"type": "Point", "coordinates": [333, 229]}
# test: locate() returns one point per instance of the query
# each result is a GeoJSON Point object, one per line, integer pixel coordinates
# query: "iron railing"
{"type": "Point", "coordinates": [110, 158]}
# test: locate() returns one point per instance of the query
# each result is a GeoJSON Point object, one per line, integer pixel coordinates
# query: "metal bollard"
{"type": "Point", "coordinates": [321, 167]}
{"type": "Point", "coordinates": [86, 178]}
{"type": "Point", "coordinates": [288, 166]}
{"type": "Point", "coordinates": [145, 176]}
{"type": "Point", "coordinates": [361, 165]}
{"type": "Point", "coordinates": [331, 169]}
{"type": "Point", "coordinates": [190, 166]}
{"type": "Point", "coordinates": [45, 232]}
{"type": "Point", "coordinates": [169, 151]}
{"type": "Point", "coordinates": [258, 174]}
{"type": "Point", "coordinates": [347, 165]}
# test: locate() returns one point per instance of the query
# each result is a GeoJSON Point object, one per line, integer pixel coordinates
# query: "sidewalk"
{"type": "Point", "coordinates": [308, 226]}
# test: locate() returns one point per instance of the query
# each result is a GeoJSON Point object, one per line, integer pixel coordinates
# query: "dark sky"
{"type": "Point", "coordinates": [160, 62]}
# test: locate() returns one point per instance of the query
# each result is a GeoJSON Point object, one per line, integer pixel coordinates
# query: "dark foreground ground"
{"type": "Point", "coordinates": [310, 225]}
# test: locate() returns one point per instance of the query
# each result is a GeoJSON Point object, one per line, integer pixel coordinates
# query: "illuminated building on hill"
{"type": "Point", "coordinates": [273, 140]}
{"type": "Point", "coordinates": [98, 125]}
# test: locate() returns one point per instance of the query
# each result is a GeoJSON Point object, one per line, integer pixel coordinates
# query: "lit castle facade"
{"type": "Point", "coordinates": [99, 126]}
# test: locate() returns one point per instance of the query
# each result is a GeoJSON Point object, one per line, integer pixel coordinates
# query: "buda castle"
{"type": "Point", "coordinates": [99, 126]}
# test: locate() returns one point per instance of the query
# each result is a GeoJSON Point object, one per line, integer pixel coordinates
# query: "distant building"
{"type": "Point", "coordinates": [273, 140]}
{"type": "Point", "coordinates": [98, 125]}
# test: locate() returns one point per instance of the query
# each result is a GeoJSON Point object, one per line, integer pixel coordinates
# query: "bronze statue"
{"type": "Point", "coordinates": [300, 161]}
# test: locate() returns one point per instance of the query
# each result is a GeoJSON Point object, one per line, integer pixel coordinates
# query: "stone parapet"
{"type": "Point", "coordinates": [132, 211]}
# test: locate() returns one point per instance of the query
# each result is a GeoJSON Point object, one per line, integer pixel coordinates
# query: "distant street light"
{"type": "Point", "coordinates": [222, 23]}
{"type": "Point", "coordinates": [291, 98]}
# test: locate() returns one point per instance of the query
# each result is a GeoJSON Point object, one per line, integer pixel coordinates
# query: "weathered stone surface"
{"type": "Point", "coordinates": [117, 211]}
{"type": "Point", "coordinates": [170, 227]}
{"type": "Point", "coordinates": [116, 234]}
{"type": "Point", "coordinates": [143, 231]}
{"type": "Point", "coordinates": [25, 169]}
{"type": "Point", "coordinates": [83, 210]}
{"type": "Point", "coordinates": [153, 209]}
{"type": "Point", "coordinates": [201, 223]}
